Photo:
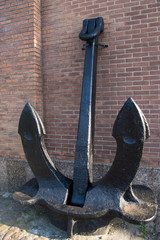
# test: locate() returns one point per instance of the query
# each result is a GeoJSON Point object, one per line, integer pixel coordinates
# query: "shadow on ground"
{"type": "Point", "coordinates": [31, 219]}
{"type": "Point", "coordinates": [20, 222]}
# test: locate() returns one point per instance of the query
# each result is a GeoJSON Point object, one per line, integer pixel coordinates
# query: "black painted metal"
{"type": "Point", "coordinates": [84, 147]}
{"type": "Point", "coordinates": [79, 198]}
{"type": "Point", "coordinates": [48, 177]}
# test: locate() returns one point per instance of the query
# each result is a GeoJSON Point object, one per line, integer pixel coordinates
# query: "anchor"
{"type": "Point", "coordinates": [86, 205]}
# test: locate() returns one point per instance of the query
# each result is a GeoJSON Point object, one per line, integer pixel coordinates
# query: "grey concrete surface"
{"type": "Point", "coordinates": [19, 222]}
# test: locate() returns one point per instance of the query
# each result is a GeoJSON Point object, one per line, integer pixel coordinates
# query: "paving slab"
{"type": "Point", "coordinates": [21, 222]}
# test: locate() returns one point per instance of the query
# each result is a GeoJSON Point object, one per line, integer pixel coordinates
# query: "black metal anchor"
{"type": "Point", "coordinates": [80, 198]}
{"type": "Point", "coordinates": [84, 146]}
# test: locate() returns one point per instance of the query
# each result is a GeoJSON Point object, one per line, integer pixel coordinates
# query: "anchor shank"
{"type": "Point", "coordinates": [84, 146]}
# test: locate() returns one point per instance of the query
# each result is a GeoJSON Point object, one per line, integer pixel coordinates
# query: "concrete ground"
{"type": "Point", "coordinates": [18, 222]}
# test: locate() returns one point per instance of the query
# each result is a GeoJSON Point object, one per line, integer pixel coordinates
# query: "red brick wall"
{"type": "Point", "coordinates": [130, 67]}
{"type": "Point", "coordinates": [20, 69]}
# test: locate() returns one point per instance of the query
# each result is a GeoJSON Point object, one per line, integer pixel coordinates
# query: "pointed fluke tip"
{"type": "Point", "coordinates": [130, 100]}
{"type": "Point", "coordinates": [131, 118]}
{"type": "Point", "coordinates": [30, 121]}
{"type": "Point", "coordinates": [28, 105]}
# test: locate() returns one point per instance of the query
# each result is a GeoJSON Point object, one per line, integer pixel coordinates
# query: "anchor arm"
{"type": "Point", "coordinates": [114, 191]}
{"type": "Point", "coordinates": [32, 133]}
{"type": "Point", "coordinates": [130, 131]}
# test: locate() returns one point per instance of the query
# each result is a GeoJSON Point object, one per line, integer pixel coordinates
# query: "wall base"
{"type": "Point", "coordinates": [14, 173]}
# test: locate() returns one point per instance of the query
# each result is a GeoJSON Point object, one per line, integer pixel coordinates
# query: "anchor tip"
{"type": "Point", "coordinates": [131, 121]}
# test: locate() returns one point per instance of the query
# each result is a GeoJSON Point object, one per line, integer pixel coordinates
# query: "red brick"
{"type": "Point", "coordinates": [42, 59]}
{"type": "Point", "coordinates": [21, 68]}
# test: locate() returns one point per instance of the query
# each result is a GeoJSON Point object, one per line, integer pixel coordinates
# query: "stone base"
{"type": "Point", "coordinates": [14, 173]}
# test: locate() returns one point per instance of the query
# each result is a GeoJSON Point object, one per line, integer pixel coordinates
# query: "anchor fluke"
{"type": "Point", "coordinates": [32, 132]}
{"type": "Point", "coordinates": [131, 123]}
